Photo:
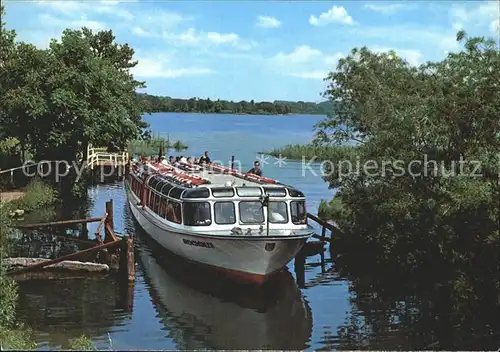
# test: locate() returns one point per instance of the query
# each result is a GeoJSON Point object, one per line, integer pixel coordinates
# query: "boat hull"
{"type": "Point", "coordinates": [251, 259]}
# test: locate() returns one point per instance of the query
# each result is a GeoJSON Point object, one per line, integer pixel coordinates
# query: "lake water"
{"type": "Point", "coordinates": [171, 307]}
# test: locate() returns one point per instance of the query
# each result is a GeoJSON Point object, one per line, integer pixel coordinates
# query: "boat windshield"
{"type": "Point", "coordinates": [278, 213]}
{"type": "Point", "coordinates": [298, 210]}
{"type": "Point", "coordinates": [251, 212]}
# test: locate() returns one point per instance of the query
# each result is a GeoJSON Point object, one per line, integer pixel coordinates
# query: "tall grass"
{"type": "Point", "coordinates": [149, 147]}
{"type": "Point", "coordinates": [309, 151]}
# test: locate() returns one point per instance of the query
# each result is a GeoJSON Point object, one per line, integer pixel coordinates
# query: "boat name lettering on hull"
{"type": "Point", "coordinates": [198, 243]}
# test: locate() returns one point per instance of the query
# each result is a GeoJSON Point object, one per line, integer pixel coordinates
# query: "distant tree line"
{"type": "Point", "coordinates": [278, 107]}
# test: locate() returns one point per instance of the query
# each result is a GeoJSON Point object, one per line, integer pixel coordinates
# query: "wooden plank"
{"type": "Point", "coordinates": [101, 224]}
{"type": "Point", "coordinates": [321, 238]}
{"type": "Point", "coordinates": [65, 257]}
{"type": "Point", "coordinates": [58, 223]}
{"type": "Point", "coordinates": [112, 233]}
{"type": "Point", "coordinates": [323, 222]}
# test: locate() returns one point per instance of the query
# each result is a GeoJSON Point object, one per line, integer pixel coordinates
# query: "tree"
{"type": "Point", "coordinates": [413, 215]}
{"type": "Point", "coordinates": [78, 91]}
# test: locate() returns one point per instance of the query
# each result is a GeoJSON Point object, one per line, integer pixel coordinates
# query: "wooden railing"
{"type": "Point", "coordinates": [99, 156]}
{"type": "Point", "coordinates": [325, 225]}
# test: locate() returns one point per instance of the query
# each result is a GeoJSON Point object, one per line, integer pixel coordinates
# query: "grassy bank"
{"type": "Point", "coordinates": [309, 151]}
{"type": "Point", "coordinates": [13, 334]}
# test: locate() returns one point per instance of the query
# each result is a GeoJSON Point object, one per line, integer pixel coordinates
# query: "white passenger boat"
{"type": "Point", "coordinates": [219, 217]}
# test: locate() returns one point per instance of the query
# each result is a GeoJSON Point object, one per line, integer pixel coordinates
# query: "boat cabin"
{"type": "Point", "coordinates": [219, 205]}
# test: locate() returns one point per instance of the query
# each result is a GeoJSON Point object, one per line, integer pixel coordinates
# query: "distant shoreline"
{"type": "Point", "coordinates": [234, 113]}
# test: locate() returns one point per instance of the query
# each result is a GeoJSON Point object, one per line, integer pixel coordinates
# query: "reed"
{"type": "Point", "coordinates": [153, 145]}
{"type": "Point", "coordinates": [310, 151]}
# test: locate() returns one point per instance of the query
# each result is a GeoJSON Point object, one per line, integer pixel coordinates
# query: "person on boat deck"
{"type": "Point", "coordinates": [255, 169]}
{"type": "Point", "coordinates": [170, 159]}
{"type": "Point", "coordinates": [205, 159]}
{"type": "Point", "coordinates": [190, 160]}
{"type": "Point", "coordinates": [183, 160]}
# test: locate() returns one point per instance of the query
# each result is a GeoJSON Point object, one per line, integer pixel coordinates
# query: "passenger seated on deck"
{"type": "Point", "coordinates": [183, 160]}
{"type": "Point", "coordinates": [170, 159]}
{"type": "Point", "coordinates": [205, 159]}
{"type": "Point", "coordinates": [190, 160]}
{"type": "Point", "coordinates": [256, 169]}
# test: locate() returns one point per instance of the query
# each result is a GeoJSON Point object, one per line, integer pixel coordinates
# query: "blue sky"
{"type": "Point", "coordinates": [261, 50]}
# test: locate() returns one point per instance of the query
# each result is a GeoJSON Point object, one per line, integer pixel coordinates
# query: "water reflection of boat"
{"type": "Point", "coordinates": [203, 311]}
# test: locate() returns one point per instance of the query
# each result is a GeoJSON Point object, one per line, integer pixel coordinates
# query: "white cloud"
{"type": "Point", "coordinates": [386, 9]}
{"type": "Point", "coordinates": [160, 66]}
{"type": "Point", "coordinates": [412, 56]}
{"type": "Point", "coordinates": [316, 75]}
{"type": "Point", "coordinates": [495, 27]}
{"type": "Point", "coordinates": [268, 22]}
{"type": "Point", "coordinates": [305, 62]}
{"type": "Point", "coordinates": [54, 22]}
{"type": "Point", "coordinates": [191, 37]}
{"type": "Point", "coordinates": [77, 8]}
{"type": "Point", "coordinates": [138, 31]}
{"type": "Point", "coordinates": [303, 53]}
{"type": "Point", "coordinates": [335, 14]}
{"type": "Point", "coordinates": [432, 39]}
{"type": "Point", "coordinates": [473, 15]}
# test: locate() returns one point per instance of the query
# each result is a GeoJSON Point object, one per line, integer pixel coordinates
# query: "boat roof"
{"type": "Point", "coordinates": [210, 176]}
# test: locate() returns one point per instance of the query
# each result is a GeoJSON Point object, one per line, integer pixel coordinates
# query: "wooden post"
{"type": "Point", "coordinates": [299, 266]}
{"type": "Point", "coordinates": [127, 263]}
{"type": "Point", "coordinates": [84, 235]}
{"type": "Point", "coordinates": [323, 233]}
{"type": "Point", "coordinates": [109, 221]}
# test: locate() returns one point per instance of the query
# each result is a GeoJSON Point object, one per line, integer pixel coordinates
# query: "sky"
{"type": "Point", "coordinates": [261, 50]}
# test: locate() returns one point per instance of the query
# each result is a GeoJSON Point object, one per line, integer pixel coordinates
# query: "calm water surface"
{"type": "Point", "coordinates": [173, 308]}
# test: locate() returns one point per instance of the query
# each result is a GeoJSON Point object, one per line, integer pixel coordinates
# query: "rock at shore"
{"type": "Point", "coordinates": [69, 265]}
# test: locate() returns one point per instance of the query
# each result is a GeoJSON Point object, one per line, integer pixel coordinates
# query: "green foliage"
{"type": "Point", "coordinates": [310, 151]}
{"type": "Point", "coordinates": [37, 195]}
{"type": "Point", "coordinates": [445, 111]}
{"type": "Point", "coordinates": [331, 210]}
{"type": "Point", "coordinates": [76, 92]}
{"type": "Point", "coordinates": [167, 104]}
{"type": "Point", "coordinates": [82, 343]}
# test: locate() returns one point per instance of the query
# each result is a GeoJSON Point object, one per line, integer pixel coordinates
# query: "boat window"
{"type": "Point", "coordinates": [150, 198]}
{"type": "Point", "coordinates": [275, 192]}
{"type": "Point", "coordinates": [196, 193]}
{"type": "Point", "coordinates": [295, 193]}
{"type": "Point", "coordinates": [176, 192]}
{"type": "Point", "coordinates": [224, 213]}
{"type": "Point", "coordinates": [174, 211]}
{"type": "Point", "coordinates": [249, 191]}
{"type": "Point", "coordinates": [222, 192]}
{"type": "Point", "coordinates": [152, 182]}
{"type": "Point", "coordinates": [159, 185]}
{"type": "Point", "coordinates": [298, 211]}
{"type": "Point", "coordinates": [156, 204]}
{"type": "Point", "coordinates": [163, 207]}
{"type": "Point", "coordinates": [278, 212]}
{"type": "Point", "coordinates": [167, 186]}
{"type": "Point", "coordinates": [197, 214]}
{"type": "Point", "coordinates": [251, 213]}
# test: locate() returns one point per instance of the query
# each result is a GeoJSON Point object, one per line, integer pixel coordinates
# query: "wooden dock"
{"type": "Point", "coordinates": [117, 252]}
